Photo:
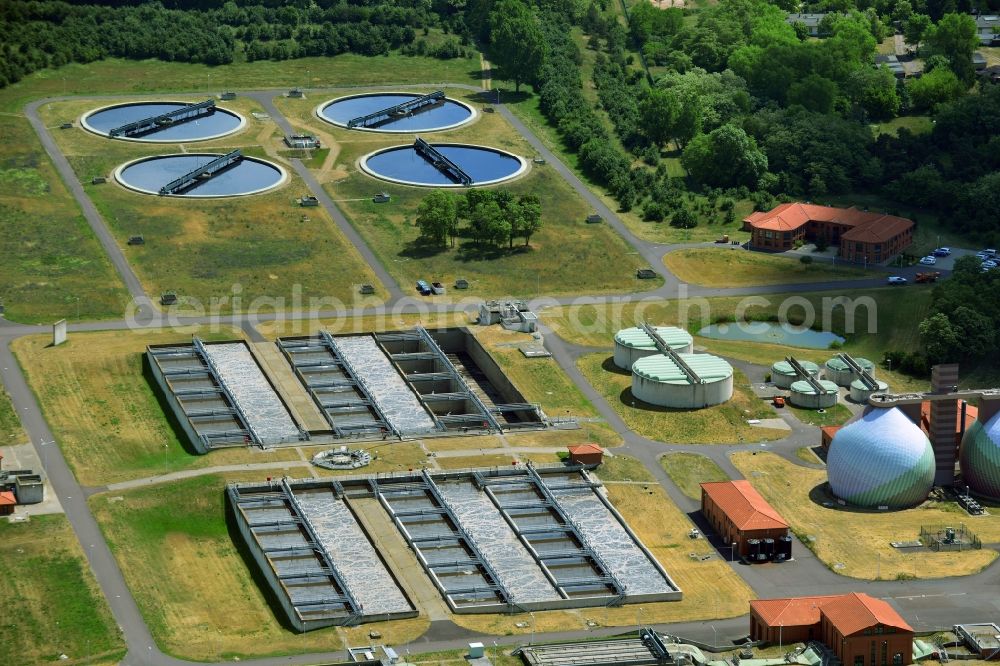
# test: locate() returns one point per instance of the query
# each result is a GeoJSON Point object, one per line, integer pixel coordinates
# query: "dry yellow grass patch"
{"type": "Point", "coordinates": [859, 540]}
{"type": "Point", "coordinates": [105, 413]}
{"type": "Point", "coordinates": [390, 321]}
{"type": "Point", "coordinates": [711, 588]}
{"type": "Point", "coordinates": [724, 267]}
{"type": "Point", "coordinates": [482, 460]}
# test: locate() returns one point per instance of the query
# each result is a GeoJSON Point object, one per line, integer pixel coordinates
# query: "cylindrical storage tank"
{"type": "Point", "coordinates": [881, 458]}
{"type": "Point", "coordinates": [753, 548]}
{"type": "Point", "coordinates": [784, 548]}
{"type": "Point", "coordinates": [631, 344]}
{"type": "Point", "coordinates": [768, 548]}
{"type": "Point", "coordinates": [841, 374]}
{"type": "Point", "coordinates": [980, 458]}
{"type": "Point", "coordinates": [804, 395]}
{"type": "Point", "coordinates": [783, 376]}
{"type": "Point", "coordinates": [659, 381]}
{"type": "Point", "coordinates": [860, 392]}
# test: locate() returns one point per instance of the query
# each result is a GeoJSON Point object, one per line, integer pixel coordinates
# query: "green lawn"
{"type": "Point", "coordinates": [720, 424]}
{"type": "Point", "coordinates": [11, 431]}
{"type": "Point", "coordinates": [53, 267]}
{"type": "Point", "coordinates": [835, 415]}
{"type": "Point", "coordinates": [916, 124]}
{"type": "Point", "coordinates": [688, 470]}
{"type": "Point", "coordinates": [623, 468]}
{"type": "Point", "coordinates": [52, 604]}
{"type": "Point", "coordinates": [726, 267]}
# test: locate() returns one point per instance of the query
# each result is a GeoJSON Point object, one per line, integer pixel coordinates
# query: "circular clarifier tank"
{"type": "Point", "coordinates": [249, 176]}
{"type": "Point", "coordinates": [441, 115]}
{"type": "Point", "coordinates": [405, 165]}
{"type": "Point", "coordinates": [208, 126]}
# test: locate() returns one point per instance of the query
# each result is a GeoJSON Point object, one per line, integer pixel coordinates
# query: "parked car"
{"type": "Point", "coordinates": [895, 279]}
{"type": "Point", "coordinates": [986, 254]}
{"type": "Point", "coordinates": [989, 265]}
{"type": "Point", "coordinates": [942, 252]}
{"type": "Point", "coordinates": [423, 288]}
{"type": "Point", "coordinates": [929, 260]}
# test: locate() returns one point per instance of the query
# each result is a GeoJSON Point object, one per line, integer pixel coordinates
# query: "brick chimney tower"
{"type": "Point", "coordinates": [944, 420]}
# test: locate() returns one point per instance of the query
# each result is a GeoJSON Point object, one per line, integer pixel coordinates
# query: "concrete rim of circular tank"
{"type": "Point", "coordinates": [362, 164]}
{"type": "Point", "coordinates": [93, 130]}
{"type": "Point", "coordinates": [636, 338]}
{"type": "Point", "coordinates": [118, 177]}
{"type": "Point", "coordinates": [318, 112]}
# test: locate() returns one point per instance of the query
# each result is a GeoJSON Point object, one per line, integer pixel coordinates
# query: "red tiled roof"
{"type": "Point", "coordinates": [830, 431]}
{"type": "Point", "coordinates": [849, 613]}
{"type": "Point", "coordinates": [865, 226]}
{"type": "Point", "coordinates": [585, 448]}
{"type": "Point", "coordinates": [852, 613]}
{"type": "Point", "coordinates": [797, 612]}
{"type": "Point", "coordinates": [744, 505]}
{"type": "Point", "coordinates": [971, 414]}
{"type": "Point", "coordinates": [7, 498]}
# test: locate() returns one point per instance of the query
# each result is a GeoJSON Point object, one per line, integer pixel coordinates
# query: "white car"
{"type": "Point", "coordinates": [928, 260]}
{"type": "Point", "coordinates": [895, 279]}
{"type": "Point", "coordinates": [989, 265]}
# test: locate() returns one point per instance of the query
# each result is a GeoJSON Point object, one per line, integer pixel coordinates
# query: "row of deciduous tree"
{"type": "Point", "coordinates": [491, 217]}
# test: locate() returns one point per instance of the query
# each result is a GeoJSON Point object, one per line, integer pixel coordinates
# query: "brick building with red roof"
{"type": "Point", "coordinates": [861, 236]}
{"type": "Point", "coordinates": [7, 503]}
{"type": "Point", "coordinates": [586, 454]}
{"type": "Point", "coordinates": [738, 513]}
{"type": "Point", "coordinates": [861, 630]}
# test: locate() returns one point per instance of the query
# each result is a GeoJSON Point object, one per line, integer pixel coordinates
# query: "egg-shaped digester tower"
{"type": "Point", "coordinates": [881, 458]}
{"type": "Point", "coordinates": [631, 344]}
{"type": "Point", "coordinates": [980, 458]}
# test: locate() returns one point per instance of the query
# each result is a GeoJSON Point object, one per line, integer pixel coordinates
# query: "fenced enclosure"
{"type": "Point", "coordinates": [948, 538]}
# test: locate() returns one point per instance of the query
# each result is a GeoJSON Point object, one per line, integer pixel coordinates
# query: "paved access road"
{"type": "Point", "coordinates": [926, 604]}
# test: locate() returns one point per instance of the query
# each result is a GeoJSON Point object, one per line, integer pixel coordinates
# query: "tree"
{"type": "Point", "coordinates": [975, 330]}
{"type": "Point", "coordinates": [725, 157]}
{"type": "Point", "coordinates": [489, 224]}
{"type": "Point", "coordinates": [658, 113]}
{"type": "Point", "coordinates": [939, 338]}
{"type": "Point", "coordinates": [517, 43]}
{"type": "Point", "coordinates": [527, 218]}
{"type": "Point", "coordinates": [955, 38]}
{"type": "Point", "coordinates": [437, 217]}
{"type": "Point", "coordinates": [915, 27]}
{"type": "Point", "coordinates": [684, 219]}
{"type": "Point", "coordinates": [814, 92]}
{"type": "Point", "coordinates": [873, 92]}
{"type": "Point", "coordinates": [940, 85]}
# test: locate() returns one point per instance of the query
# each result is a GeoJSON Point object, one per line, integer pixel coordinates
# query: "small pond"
{"type": "Point", "coordinates": [403, 164]}
{"type": "Point", "coordinates": [773, 333]}
{"type": "Point", "coordinates": [211, 126]}
{"type": "Point", "coordinates": [445, 114]}
{"type": "Point", "coordinates": [249, 176]}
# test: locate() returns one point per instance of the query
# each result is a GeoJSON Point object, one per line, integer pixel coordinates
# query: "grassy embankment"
{"type": "Point", "coordinates": [264, 249]}
{"type": "Point", "coordinates": [52, 605]}
{"type": "Point", "coordinates": [11, 431]}
{"type": "Point", "coordinates": [566, 256]}
{"type": "Point", "coordinates": [688, 470]}
{"type": "Point", "coordinates": [725, 267]}
{"type": "Point", "coordinates": [856, 542]}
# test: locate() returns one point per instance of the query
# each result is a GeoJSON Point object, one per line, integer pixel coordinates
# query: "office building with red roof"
{"type": "Point", "coordinates": [861, 236]}
{"type": "Point", "coordinates": [739, 514]}
{"type": "Point", "coordinates": [861, 630]}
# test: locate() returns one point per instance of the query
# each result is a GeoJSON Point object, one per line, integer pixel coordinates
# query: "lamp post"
{"type": "Point", "coordinates": [638, 619]}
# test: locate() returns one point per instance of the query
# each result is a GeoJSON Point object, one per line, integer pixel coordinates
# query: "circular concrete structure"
{"type": "Point", "coordinates": [802, 394]}
{"type": "Point", "coordinates": [220, 123]}
{"type": "Point", "coordinates": [841, 374]}
{"type": "Point", "coordinates": [860, 393]}
{"type": "Point", "coordinates": [405, 166]}
{"type": "Point", "coordinates": [980, 458]}
{"type": "Point", "coordinates": [251, 176]}
{"type": "Point", "coordinates": [444, 115]}
{"type": "Point", "coordinates": [631, 344]}
{"type": "Point", "coordinates": [881, 458]}
{"type": "Point", "coordinates": [659, 381]}
{"type": "Point", "coordinates": [783, 376]}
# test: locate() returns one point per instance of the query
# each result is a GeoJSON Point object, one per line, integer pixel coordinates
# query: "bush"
{"type": "Point", "coordinates": [806, 259]}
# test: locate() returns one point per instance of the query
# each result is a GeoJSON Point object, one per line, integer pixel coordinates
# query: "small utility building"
{"type": "Point", "coordinates": [586, 454]}
{"type": "Point", "coordinates": [861, 630]}
{"type": "Point", "coordinates": [738, 513]}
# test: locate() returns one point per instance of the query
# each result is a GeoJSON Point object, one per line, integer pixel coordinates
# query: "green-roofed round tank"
{"type": "Point", "coordinates": [803, 394]}
{"type": "Point", "coordinates": [631, 344]}
{"type": "Point", "coordinates": [860, 391]}
{"type": "Point", "coordinates": [980, 458]}
{"type": "Point", "coordinates": [841, 374]}
{"type": "Point", "coordinates": [783, 376]}
{"type": "Point", "coordinates": [659, 381]}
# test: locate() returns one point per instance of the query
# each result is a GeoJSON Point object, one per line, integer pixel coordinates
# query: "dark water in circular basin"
{"type": "Point", "coordinates": [204, 127]}
{"type": "Point", "coordinates": [438, 116]}
{"type": "Point", "coordinates": [403, 163]}
{"type": "Point", "coordinates": [249, 176]}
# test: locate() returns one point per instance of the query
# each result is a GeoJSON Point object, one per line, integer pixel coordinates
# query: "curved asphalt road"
{"type": "Point", "coordinates": [941, 602]}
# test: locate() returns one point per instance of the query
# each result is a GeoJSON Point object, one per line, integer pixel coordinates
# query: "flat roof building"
{"type": "Point", "coordinates": [739, 514]}
{"type": "Point", "coordinates": [810, 21]}
{"type": "Point", "coordinates": [862, 236]}
{"type": "Point", "coordinates": [861, 630]}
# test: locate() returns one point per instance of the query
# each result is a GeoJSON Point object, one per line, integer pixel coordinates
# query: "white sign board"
{"type": "Point", "coordinates": [58, 332]}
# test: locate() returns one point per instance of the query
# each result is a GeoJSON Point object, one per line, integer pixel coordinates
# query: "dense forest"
{"type": "Point", "coordinates": [39, 34]}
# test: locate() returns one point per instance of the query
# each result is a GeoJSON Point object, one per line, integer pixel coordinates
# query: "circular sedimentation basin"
{"type": "Point", "coordinates": [218, 124]}
{"type": "Point", "coordinates": [447, 114]}
{"type": "Point", "coordinates": [404, 165]}
{"type": "Point", "coordinates": [250, 176]}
